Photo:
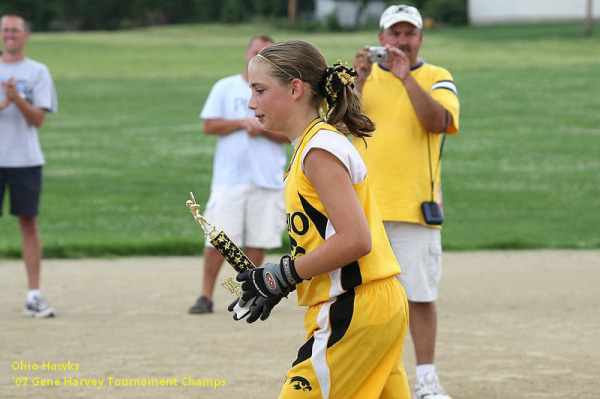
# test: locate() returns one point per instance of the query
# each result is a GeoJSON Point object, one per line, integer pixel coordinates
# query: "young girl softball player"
{"type": "Point", "coordinates": [341, 263]}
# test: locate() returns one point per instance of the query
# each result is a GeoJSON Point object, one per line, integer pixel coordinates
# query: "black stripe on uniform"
{"type": "Point", "coordinates": [305, 351]}
{"type": "Point", "coordinates": [340, 316]}
{"type": "Point", "coordinates": [319, 220]}
{"type": "Point", "coordinates": [351, 276]}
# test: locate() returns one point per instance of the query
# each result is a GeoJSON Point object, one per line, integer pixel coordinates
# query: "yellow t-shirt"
{"type": "Point", "coordinates": [397, 155]}
{"type": "Point", "coordinates": [309, 227]}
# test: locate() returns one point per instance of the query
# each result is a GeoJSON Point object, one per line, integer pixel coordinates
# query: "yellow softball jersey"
{"type": "Point", "coordinates": [397, 155]}
{"type": "Point", "coordinates": [309, 227]}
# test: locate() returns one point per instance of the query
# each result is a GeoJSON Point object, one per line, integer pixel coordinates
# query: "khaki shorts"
{"type": "Point", "coordinates": [251, 216]}
{"type": "Point", "coordinates": [419, 252]}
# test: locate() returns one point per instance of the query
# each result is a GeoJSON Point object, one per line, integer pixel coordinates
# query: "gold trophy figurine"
{"type": "Point", "coordinates": [232, 254]}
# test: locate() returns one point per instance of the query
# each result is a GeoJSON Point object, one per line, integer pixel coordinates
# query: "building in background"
{"type": "Point", "coordinates": [482, 12]}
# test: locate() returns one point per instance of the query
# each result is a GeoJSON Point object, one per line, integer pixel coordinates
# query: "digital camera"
{"type": "Point", "coordinates": [379, 54]}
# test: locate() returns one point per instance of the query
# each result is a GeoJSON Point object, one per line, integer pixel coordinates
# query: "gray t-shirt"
{"type": "Point", "coordinates": [19, 142]}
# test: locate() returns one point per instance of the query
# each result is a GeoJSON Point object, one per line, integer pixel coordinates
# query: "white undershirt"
{"type": "Point", "coordinates": [341, 148]}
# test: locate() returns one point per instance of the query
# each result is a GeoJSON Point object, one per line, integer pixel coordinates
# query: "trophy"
{"type": "Point", "coordinates": [227, 248]}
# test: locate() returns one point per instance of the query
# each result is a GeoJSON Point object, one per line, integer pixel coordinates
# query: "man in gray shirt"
{"type": "Point", "coordinates": [27, 95]}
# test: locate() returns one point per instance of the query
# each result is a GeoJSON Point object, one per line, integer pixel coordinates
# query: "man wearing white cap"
{"type": "Point", "coordinates": [412, 103]}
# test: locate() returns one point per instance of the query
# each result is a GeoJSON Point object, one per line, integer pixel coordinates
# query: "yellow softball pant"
{"type": "Point", "coordinates": [354, 346]}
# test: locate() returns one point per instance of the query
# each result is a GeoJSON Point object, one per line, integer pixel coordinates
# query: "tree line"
{"type": "Point", "coordinates": [60, 15]}
{"type": "Point", "coordinates": [55, 15]}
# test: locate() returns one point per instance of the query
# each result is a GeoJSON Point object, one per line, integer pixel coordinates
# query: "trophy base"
{"type": "Point", "coordinates": [242, 311]}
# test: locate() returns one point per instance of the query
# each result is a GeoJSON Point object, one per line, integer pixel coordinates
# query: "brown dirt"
{"type": "Point", "coordinates": [512, 324]}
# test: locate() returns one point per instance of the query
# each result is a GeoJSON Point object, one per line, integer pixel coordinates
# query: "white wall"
{"type": "Point", "coordinates": [506, 11]}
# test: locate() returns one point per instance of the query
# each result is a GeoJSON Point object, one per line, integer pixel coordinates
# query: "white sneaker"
{"type": "Point", "coordinates": [38, 307]}
{"type": "Point", "coordinates": [430, 388]}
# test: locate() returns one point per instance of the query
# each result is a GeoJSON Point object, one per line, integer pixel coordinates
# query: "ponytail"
{"type": "Point", "coordinates": [344, 105]}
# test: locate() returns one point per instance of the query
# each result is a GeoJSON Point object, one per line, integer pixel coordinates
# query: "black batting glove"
{"type": "Point", "coordinates": [263, 288]}
{"type": "Point", "coordinates": [269, 280]}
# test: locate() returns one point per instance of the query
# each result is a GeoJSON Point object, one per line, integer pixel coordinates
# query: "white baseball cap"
{"type": "Point", "coordinates": [401, 13]}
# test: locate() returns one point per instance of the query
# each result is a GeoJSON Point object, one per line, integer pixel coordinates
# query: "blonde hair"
{"type": "Point", "coordinates": [293, 59]}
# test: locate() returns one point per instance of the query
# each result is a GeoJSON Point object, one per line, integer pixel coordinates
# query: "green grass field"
{"type": "Point", "coordinates": [127, 146]}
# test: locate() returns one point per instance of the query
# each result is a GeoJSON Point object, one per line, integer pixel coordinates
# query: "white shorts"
{"type": "Point", "coordinates": [419, 252]}
{"type": "Point", "coordinates": [251, 216]}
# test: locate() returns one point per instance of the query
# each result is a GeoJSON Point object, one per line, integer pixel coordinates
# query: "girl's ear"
{"type": "Point", "coordinates": [296, 87]}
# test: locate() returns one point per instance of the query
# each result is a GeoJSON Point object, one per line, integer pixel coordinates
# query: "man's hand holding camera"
{"type": "Point", "coordinates": [400, 63]}
{"type": "Point", "coordinates": [396, 60]}
{"type": "Point", "coordinates": [362, 65]}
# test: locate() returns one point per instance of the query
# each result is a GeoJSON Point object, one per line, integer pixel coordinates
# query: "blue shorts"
{"type": "Point", "coordinates": [24, 187]}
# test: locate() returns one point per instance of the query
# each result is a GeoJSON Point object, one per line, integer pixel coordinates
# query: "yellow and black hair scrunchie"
{"type": "Point", "coordinates": [336, 78]}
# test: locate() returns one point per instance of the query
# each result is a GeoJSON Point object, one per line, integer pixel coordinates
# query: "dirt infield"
{"type": "Point", "coordinates": [513, 324]}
